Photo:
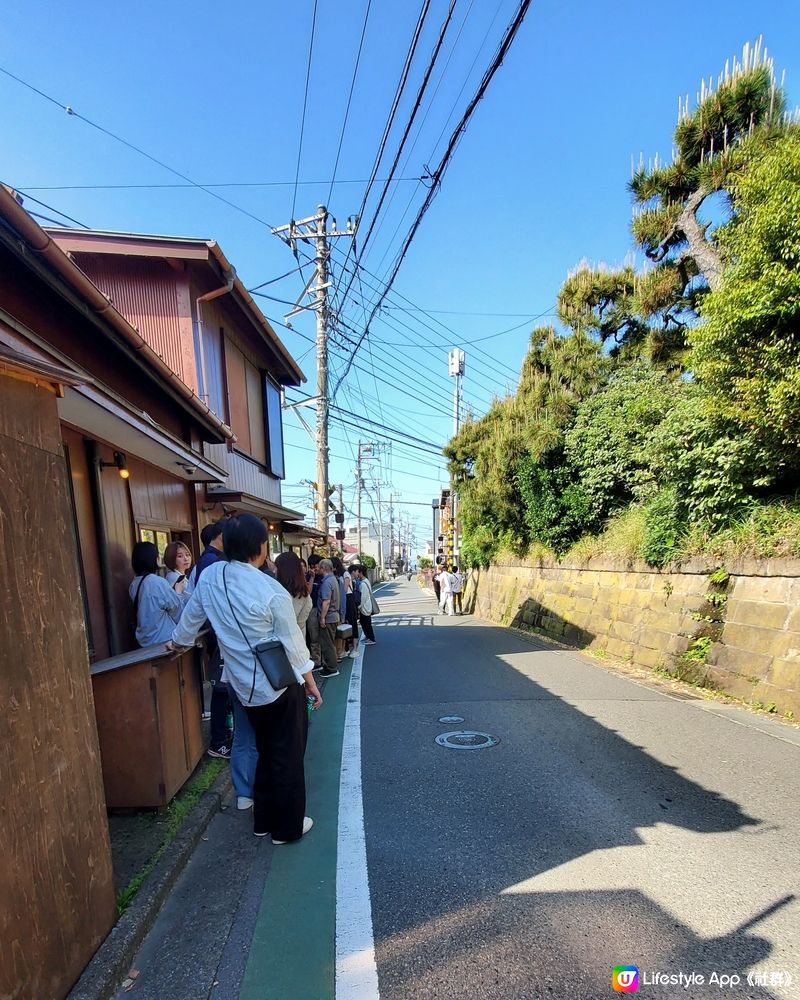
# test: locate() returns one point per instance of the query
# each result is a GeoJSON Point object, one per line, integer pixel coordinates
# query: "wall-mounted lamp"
{"type": "Point", "coordinates": [272, 527]}
{"type": "Point", "coordinates": [119, 463]}
{"type": "Point", "coordinates": [187, 467]}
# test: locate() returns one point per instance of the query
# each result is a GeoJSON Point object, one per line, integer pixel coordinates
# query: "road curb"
{"type": "Point", "coordinates": [112, 960]}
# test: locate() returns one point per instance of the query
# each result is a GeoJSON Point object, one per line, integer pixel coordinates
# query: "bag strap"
{"type": "Point", "coordinates": [136, 600]}
{"type": "Point", "coordinates": [249, 646]}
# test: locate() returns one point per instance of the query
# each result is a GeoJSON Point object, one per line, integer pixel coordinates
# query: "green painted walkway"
{"type": "Point", "coordinates": [292, 955]}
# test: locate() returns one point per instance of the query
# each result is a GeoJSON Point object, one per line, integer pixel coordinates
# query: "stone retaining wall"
{"type": "Point", "coordinates": [741, 634]}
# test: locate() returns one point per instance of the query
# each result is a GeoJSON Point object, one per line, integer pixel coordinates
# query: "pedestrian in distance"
{"type": "Point", "coordinates": [328, 603]}
{"type": "Point", "coordinates": [437, 588]}
{"type": "Point", "coordinates": [178, 560]}
{"type": "Point", "coordinates": [338, 572]}
{"type": "Point", "coordinates": [445, 592]}
{"type": "Point", "coordinates": [367, 605]}
{"type": "Point", "coordinates": [458, 587]}
{"type": "Point", "coordinates": [312, 624]}
{"type": "Point", "coordinates": [156, 606]}
{"type": "Point", "coordinates": [351, 612]}
{"type": "Point", "coordinates": [246, 607]}
{"type": "Point", "coordinates": [221, 736]}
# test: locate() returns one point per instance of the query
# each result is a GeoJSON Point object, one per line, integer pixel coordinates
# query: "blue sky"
{"type": "Point", "coordinates": [536, 186]}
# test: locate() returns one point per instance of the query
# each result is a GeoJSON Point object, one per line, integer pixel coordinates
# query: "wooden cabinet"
{"type": "Point", "coordinates": [148, 709]}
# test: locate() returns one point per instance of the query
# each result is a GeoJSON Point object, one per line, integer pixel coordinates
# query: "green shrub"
{"type": "Point", "coordinates": [664, 528]}
{"type": "Point", "coordinates": [556, 509]}
{"type": "Point", "coordinates": [608, 445]}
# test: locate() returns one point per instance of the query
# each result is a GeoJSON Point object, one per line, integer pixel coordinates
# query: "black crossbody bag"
{"type": "Point", "coordinates": [268, 654]}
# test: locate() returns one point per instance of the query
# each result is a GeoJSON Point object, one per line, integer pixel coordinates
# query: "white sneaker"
{"type": "Point", "coordinates": [308, 822]}
{"type": "Point", "coordinates": [242, 802]}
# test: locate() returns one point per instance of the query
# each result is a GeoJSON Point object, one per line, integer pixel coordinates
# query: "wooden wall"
{"type": "Point", "coordinates": [56, 885]}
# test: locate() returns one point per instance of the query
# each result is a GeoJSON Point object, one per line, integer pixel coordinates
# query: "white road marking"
{"type": "Point", "coordinates": [356, 970]}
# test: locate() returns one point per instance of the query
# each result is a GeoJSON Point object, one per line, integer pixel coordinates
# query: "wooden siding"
{"type": "Point", "coordinates": [244, 476]}
{"type": "Point", "coordinates": [56, 884]}
{"type": "Point", "coordinates": [237, 396]}
{"type": "Point", "coordinates": [120, 533]}
{"type": "Point", "coordinates": [145, 291]}
{"type": "Point", "coordinates": [87, 536]}
{"type": "Point", "coordinates": [157, 498]}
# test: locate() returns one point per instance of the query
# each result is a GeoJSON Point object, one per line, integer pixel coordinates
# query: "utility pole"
{"type": "Point", "coordinates": [391, 530]}
{"type": "Point", "coordinates": [456, 365]}
{"type": "Point", "coordinates": [364, 451]}
{"type": "Point", "coordinates": [380, 526]}
{"type": "Point", "coordinates": [315, 230]}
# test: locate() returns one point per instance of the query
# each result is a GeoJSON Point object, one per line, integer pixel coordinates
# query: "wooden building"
{"type": "Point", "coordinates": [125, 413]}
{"type": "Point", "coordinates": [186, 301]}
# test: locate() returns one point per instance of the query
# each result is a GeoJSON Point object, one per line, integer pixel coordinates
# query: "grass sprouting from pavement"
{"type": "Point", "coordinates": [177, 811]}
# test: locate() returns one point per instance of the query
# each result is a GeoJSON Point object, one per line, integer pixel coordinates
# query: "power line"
{"type": "Point", "coordinates": [349, 99]}
{"type": "Point", "coordinates": [438, 174]}
{"type": "Point", "coordinates": [410, 123]}
{"type": "Point", "coordinates": [305, 105]}
{"type": "Point", "coordinates": [224, 184]}
{"type": "Point", "coordinates": [137, 149]}
{"type": "Point", "coordinates": [81, 225]}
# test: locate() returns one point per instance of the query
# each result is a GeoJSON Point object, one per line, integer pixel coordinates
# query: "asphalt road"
{"type": "Point", "coordinates": [611, 825]}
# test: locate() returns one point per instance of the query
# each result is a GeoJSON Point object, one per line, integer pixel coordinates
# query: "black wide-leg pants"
{"type": "Point", "coordinates": [366, 626]}
{"type": "Point", "coordinates": [279, 791]}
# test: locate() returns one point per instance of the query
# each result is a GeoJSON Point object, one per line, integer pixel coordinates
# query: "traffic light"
{"type": "Point", "coordinates": [340, 534]}
{"type": "Point", "coordinates": [339, 517]}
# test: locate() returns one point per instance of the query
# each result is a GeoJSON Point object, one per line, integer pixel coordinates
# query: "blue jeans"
{"type": "Point", "coordinates": [244, 754]}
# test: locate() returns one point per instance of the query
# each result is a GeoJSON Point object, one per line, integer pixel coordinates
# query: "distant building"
{"type": "Point", "coordinates": [370, 535]}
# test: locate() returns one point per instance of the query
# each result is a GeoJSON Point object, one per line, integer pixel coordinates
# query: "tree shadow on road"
{"type": "Point", "coordinates": [488, 864]}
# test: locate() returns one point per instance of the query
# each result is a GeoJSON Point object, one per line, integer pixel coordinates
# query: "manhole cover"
{"type": "Point", "coordinates": [466, 740]}
{"type": "Point", "coordinates": [451, 718]}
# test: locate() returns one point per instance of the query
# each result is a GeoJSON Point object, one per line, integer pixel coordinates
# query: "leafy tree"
{"type": "Point", "coordinates": [731, 125]}
{"type": "Point", "coordinates": [424, 562]}
{"type": "Point", "coordinates": [608, 446]}
{"type": "Point", "coordinates": [747, 350]}
{"type": "Point", "coordinates": [367, 561]}
{"type": "Point", "coordinates": [557, 509]}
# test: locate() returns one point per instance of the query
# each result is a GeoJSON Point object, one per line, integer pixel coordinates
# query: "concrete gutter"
{"type": "Point", "coordinates": [102, 977]}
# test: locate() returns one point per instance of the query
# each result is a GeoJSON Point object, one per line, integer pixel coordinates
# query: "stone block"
{"type": "Point", "coordinates": [575, 636]}
{"type": "Point", "coordinates": [619, 648]}
{"type": "Point", "coordinates": [758, 613]}
{"type": "Point", "coordinates": [652, 638]}
{"type": "Point", "coordinates": [678, 644]}
{"type": "Point", "coordinates": [778, 590]}
{"type": "Point", "coordinates": [645, 657]}
{"type": "Point", "coordinates": [784, 674]}
{"type": "Point", "coordinates": [760, 640]}
{"type": "Point", "coordinates": [784, 701]}
{"type": "Point", "coordinates": [740, 662]}
{"type": "Point", "coordinates": [528, 617]}
{"type": "Point", "coordinates": [622, 630]}
{"type": "Point", "coordinates": [629, 615]}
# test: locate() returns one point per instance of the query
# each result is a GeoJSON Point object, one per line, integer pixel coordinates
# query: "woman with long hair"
{"type": "Point", "coordinates": [246, 607]}
{"type": "Point", "coordinates": [156, 606]}
{"type": "Point", "coordinates": [291, 576]}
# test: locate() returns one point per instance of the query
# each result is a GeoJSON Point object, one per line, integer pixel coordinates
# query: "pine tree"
{"type": "Point", "coordinates": [731, 124]}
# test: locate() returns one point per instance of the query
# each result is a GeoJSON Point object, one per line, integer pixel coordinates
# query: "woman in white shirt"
{"type": "Point", "coordinates": [246, 607]}
{"type": "Point", "coordinates": [156, 605]}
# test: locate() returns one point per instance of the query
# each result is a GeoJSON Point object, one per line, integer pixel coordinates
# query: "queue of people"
{"type": "Point", "coordinates": [448, 585]}
{"type": "Point", "coordinates": [236, 598]}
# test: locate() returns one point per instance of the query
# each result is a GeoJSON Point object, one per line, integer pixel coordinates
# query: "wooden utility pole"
{"type": "Point", "coordinates": [315, 230]}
